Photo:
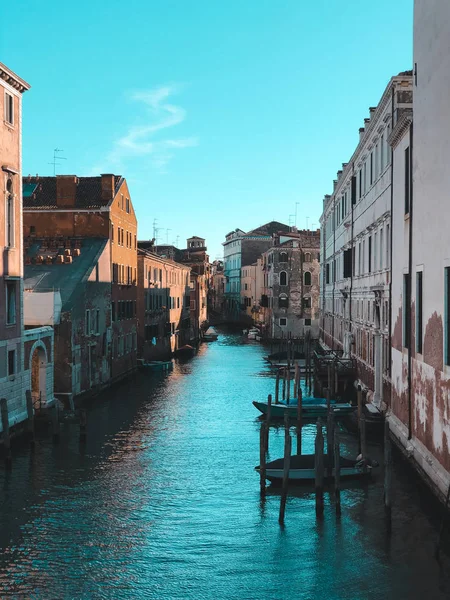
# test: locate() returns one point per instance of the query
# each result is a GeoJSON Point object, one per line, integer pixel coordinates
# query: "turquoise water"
{"type": "Point", "coordinates": [163, 502]}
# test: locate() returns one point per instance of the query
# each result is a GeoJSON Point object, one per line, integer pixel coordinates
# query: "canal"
{"type": "Point", "coordinates": [163, 502]}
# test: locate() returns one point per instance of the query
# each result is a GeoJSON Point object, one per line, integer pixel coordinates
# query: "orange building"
{"type": "Point", "coordinates": [66, 209]}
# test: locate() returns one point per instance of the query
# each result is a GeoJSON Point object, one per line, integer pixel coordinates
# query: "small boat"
{"type": "Point", "coordinates": [211, 335]}
{"type": "Point", "coordinates": [302, 468]}
{"type": "Point", "coordinates": [253, 333]}
{"type": "Point", "coordinates": [282, 356]}
{"type": "Point", "coordinates": [157, 365]}
{"type": "Point", "coordinates": [311, 409]}
{"type": "Point", "coordinates": [185, 351]}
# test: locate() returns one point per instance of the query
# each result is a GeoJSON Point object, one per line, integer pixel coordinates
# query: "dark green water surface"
{"type": "Point", "coordinates": [164, 502]}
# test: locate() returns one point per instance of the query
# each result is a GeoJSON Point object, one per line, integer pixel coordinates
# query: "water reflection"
{"type": "Point", "coordinates": [164, 503]}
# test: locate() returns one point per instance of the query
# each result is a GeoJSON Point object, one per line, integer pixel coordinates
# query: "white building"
{"type": "Point", "coordinates": [420, 413]}
{"type": "Point", "coordinates": [356, 251]}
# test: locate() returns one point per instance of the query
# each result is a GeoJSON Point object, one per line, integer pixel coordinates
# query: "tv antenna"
{"type": "Point", "coordinates": [56, 158]}
{"type": "Point", "coordinates": [167, 236]}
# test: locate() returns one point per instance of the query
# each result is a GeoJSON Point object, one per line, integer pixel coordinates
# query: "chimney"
{"type": "Point", "coordinates": [372, 109]}
{"type": "Point", "coordinates": [108, 186]}
{"type": "Point", "coordinates": [339, 173]}
{"type": "Point", "coordinates": [66, 190]}
{"type": "Point", "coordinates": [361, 133]}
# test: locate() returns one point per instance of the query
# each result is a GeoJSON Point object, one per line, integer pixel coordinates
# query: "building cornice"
{"type": "Point", "coordinates": [401, 127]}
{"type": "Point", "coordinates": [13, 80]}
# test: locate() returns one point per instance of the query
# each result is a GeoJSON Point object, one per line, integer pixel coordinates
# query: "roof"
{"type": "Point", "coordinates": [12, 79]}
{"type": "Point", "coordinates": [65, 277]}
{"type": "Point", "coordinates": [40, 192]}
{"type": "Point", "coordinates": [269, 229]}
{"type": "Point", "coordinates": [195, 237]}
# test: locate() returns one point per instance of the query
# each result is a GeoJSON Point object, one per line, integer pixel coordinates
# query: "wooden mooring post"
{"type": "Point", "coordinates": [263, 440]}
{"type": "Point", "coordinates": [318, 467]}
{"type": "Point", "coordinates": [6, 437]}
{"type": "Point", "coordinates": [299, 420]}
{"type": "Point", "coordinates": [337, 472]}
{"type": "Point", "coordinates": [330, 440]}
{"type": "Point", "coordinates": [30, 415]}
{"type": "Point", "coordinates": [277, 387]}
{"type": "Point", "coordinates": [296, 379]}
{"type": "Point", "coordinates": [387, 475]}
{"type": "Point", "coordinates": [363, 441]}
{"type": "Point", "coordinates": [83, 423]}
{"type": "Point", "coordinates": [284, 384]}
{"type": "Point", "coordinates": [288, 381]}
{"type": "Point", "coordinates": [359, 401]}
{"type": "Point", "coordinates": [268, 417]}
{"type": "Point", "coordinates": [286, 467]}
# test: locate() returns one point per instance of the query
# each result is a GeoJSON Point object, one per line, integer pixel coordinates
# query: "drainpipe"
{"type": "Point", "coordinates": [390, 241]}
{"type": "Point", "coordinates": [410, 266]}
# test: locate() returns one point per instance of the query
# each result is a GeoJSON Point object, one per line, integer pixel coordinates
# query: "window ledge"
{"type": "Point", "coordinates": [9, 125]}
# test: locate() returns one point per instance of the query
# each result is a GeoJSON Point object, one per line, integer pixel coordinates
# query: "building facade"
{"type": "Point", "coordinates": [250, 295]}
{"type": "Point", "coordinates": [242, 249]}
{"type": "Point", "coordinates": [292, 272]}
{"type": "Point", "coordinates": [356, 248]}
{"type": "Point", "coordinates": [25, 355]}
{"type": "Point", "coordinates": [63, 211]}
{"type": "Point", "coordinates": [163, 306]}
{"type": "Point", "coordinates": [419, 418]}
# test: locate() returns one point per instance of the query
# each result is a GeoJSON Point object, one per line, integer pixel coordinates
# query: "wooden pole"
{"type": "Point", "coordinates": [284, 384]}
{"type": "Point", "coordinates": [262, 457]}
{"type": "Point", "coordinates": [318, 467]}
{"type": "Point", "coordinates": [337, 472]}
{"type": "Point", "coordinates": [296, 380]}
{"type": "Point", "coordinates": [6, 438]}
{"type": "Point", "coordinates": [387, 475]}
{"type": "Point", "coordinates": [30, 414]}
{"type": "Point", "coordinates": [299, 421]}
{"type": "Point", "coordinates": [83, 423]}
{"type": "Point", "coordinates": [359, 400]}
{"type": "Point", "coordinates": [330, 438]}
{"type": "Point", "coordinates": [286, 467]}
{"type": "Point", "coordinates": [268, 417]}
{"type": "Point", "coordinates": [55, 424]}
{"type": "Point", "coordinates": [363, 441]}
{"type": "Point", "coordinates": [277, 388]}
{"type": "Point", "coordinates": [288, 378]}
{"type": "Point", "coordinates": [336, 380]}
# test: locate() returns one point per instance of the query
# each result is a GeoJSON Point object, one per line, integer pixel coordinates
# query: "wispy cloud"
{"type": "Point", "coordinates": [147, 139]}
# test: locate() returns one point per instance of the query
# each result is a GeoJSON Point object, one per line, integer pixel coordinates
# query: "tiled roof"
{"type": "Point", "coordinates": [269, 228]}
{"type": "Point", "coordinates": [40, 192]}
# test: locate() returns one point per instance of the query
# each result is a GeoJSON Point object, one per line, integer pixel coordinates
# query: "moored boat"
{"type": "Point", "coordinates": [185, 351]}
{"type": "Point", "coordinates": [312, 408]}
{"type": "Point", "coordinates": [211, 335]}
{"type": "Point", "coordinates": [156, 365]}
{"type": "Point", "coordinates": [302, 468]}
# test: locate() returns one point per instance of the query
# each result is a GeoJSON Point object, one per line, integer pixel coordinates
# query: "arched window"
{"type": "Point", "coordinates": [283, 278]}
{"type": "Point", "coordinates": [307, 257]}
{"type": "Point", "coordinates": [283, 257]}
{"type": "Point", "coordinates": [283, 301]}
{"type": "Point", "coordinates": [307, 278]}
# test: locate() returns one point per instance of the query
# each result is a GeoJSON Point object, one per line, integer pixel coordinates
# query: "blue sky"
{"type": "Point", "coordinates": [220, 114]}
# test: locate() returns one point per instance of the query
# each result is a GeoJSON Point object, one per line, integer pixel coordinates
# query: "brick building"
{"type": "Point", "coordinates": [66, 210]}
{"type": "Point", "coordinates": [25, 356]}
{"type": "Point", "coordinates": [163, 306]}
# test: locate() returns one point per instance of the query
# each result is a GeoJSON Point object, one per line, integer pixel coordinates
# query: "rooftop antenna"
{"type": "Point", "coordinates": [290, 220]}
{"type": "Point", "coordinates": [167, 236]}
{"type": "Point", "coordinates": [307, 221]}
{"type": "Point", "coordinates": [55, 162]}
{"type": "Point", "coordinates": [296, 204]}
{"type": "Point", "coordinates": [178, 239]}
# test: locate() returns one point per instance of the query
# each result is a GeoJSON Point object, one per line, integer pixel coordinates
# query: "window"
{"type": "Point", "coordinates": [113, 311]}
{"type": "Point", "coordinates": [307, 322]}
{"type": "Point", "coordinates": [97, 321]}
{"type": "Point", "coordinates": [87, 323]}
{"type": "Point", "coordinates": [370, 254]}
{"type": "Point", "coordinates": [307, 257]}
{"type": "Point", "coordinates": [11, 362]}
{"type": "Point", "coordinates": [388, 247]}
{"type": "Point", "coordinates": [306, 302]}
{"type": "Point", "coordinates": [9, 108]}
{"type": "Point", "coordinates": [283, 257]}
{"type": "Point", "coordinates": [353, 190]}
{"type": "Point", "coordinates": [283, 322]}
{"type": "Point", "coordinates": [406, 311]}
{"type": "Point", "coordinates": [407, 180]}
{"type": "Point", "coordinates": [128, 205]}
{"type": "Point", "coordinates": [381, 249]}
{"type": "Point", "coordinates": [9, 214]}
{"type": "Point", "coordinates": [447, 316]}
{"type": "Point", "coordinates": [10, 302]}
{"type": "Point", "coordinates": [283, 301]}
{"type": "Point", "coordinates": [327, 273]}
{"type": "Point", "coordinates": [375, 255]}
{"type": "Point", "coordinates": [307, 278]}
{"type": "Point", "coordinates": [371, 168]}
{"type": "Point", "coordinates": [419, 321]}
{"type": "Point", "coordinates": [348, 261]}
{"type": "Point", "coordinates": [283, 278]}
